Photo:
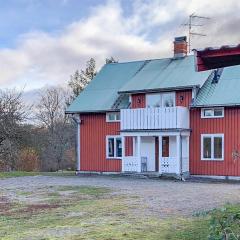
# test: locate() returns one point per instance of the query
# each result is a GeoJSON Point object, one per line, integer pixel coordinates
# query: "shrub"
{"type": "Point", "coordinates": [28, 160]}
{"type": "Point", "coordinates": [225, 223]}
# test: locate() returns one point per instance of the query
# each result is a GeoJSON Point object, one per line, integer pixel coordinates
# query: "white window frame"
{"type": "Point", "coordinates": [212, 147]}
{"type": "Point", "coordinates": [212, 109]}
{"type": "Point", "coordinates": [160, 95]}
{"type": "Point", "coordinates": [115, 137]}
{"type": "Point", "coordinates": [115, 118]}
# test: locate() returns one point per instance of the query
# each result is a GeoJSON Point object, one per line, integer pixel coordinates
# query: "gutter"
{"type": "Point", "coordinates": [215, 105]}
{"type": "Point", "coordinates": [92, 111]}
{"type": "Point", "coordinates": [77, 120]}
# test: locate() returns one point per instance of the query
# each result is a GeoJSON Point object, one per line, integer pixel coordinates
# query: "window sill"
{"type": "Point", "coordinates": [212, 159]}
{"type": "Point", "coordinates": [212, 117]}
{"type": "Point", "coordinates": [114, 158]}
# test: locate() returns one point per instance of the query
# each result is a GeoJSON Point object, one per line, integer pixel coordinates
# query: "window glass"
{"type": "Point", "coordinates": [153, 100]}
{"type": "Point", "coordinates": [168, 100]}
{"type": "Point", "coordinates": [218, 147]}
{"type": "Point", "coordinates": [117, 116]}
{"type": "Point", "coordinates": [111, 116]}
{"type": "Point", "coordinates": [208, 112]}
{"type": "Point", "coordinates": [218, 112]}
{"type": "Point", "coordinates": [111, 147]}
{"type": "Point", "coordinates": [165, 147]}
{"type": "Point", "coordinates": [114, 116]}
{"type": "Point", "coordinates": [119, 147]}
{"type": "Point", "coordinates": [207, 147]}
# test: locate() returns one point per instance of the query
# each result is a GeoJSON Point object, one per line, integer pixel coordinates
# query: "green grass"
{"type": "Point", "coordinates": [23, 174]}
{"type": "Point", "coordinates": [83, 212]}
{"type": "Point", "coordinates": [17, 174]}
{"type": "Point", "coordinates": [92, 213]}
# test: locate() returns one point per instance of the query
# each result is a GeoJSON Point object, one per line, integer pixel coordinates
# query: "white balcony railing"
{"type": "Point", "coordinates": [155, 118]}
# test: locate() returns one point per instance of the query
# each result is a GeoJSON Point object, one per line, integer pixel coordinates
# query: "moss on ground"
{"type": "Point", "coordinates": [82, 212]}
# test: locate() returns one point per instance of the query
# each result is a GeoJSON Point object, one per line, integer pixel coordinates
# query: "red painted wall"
{"type": "Point", "coordinates": [230, 127]}
{"type": "Point", "coordinates": [183, 98]}
{"type": "Point", "coordinates": [94, 130]}
{"type": "Point", "coordinates": [138, 100]}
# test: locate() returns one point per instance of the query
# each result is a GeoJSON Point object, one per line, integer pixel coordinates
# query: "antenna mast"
{"type": "Point", "coordinates": [190, 25]}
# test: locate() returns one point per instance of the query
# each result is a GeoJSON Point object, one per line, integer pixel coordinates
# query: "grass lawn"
{"type": "Point", "coordinates": [22, 174]}
{"type": "Point", "coordinates": [89, 213]}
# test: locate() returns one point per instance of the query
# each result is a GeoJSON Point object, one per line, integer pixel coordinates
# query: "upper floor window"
{"type": "Point", "coordinates": [160, 99]}
{"type": "Point", "coordinates": [113, 117]}
{"type": "Point", "coordinates": [212, 146]}
{"type": "Point", "coordinates": [212, 112]}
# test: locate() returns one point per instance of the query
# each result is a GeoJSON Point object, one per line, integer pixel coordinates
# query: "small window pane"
{"type": "Point", "coordinates": [118, 116]}
{"type": "Point", "coordinates": [218, 147]}
{"type": "Point", "coordinates": [119, 147]}
{"type": "Point", "coordinates": [111, 147]}
{"type": "Point", "coordinates": [208, 112]}
{"type": "Point", "coordinates": [168, 100]}
{"type": "Point", "coordinates": [218, 112]}
{"type": "Point", "coordinates": [111, 116]}
{"type": "Point", "coordinates": [153, 100]}
{"type": "Point", "coordinates": [207, 147]}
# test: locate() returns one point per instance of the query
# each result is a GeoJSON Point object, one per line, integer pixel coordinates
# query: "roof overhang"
{"type": "Point", "coordinates": [92, 111]}
{"type": "Point", "coordinates": [159, 89]}
{"type": "Point", "coordinates": [212, 58]}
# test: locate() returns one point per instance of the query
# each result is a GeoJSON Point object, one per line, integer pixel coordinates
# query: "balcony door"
{"type": "Point", "coordinates": [160, 99]}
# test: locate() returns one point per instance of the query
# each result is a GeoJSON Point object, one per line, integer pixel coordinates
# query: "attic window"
{"type": "Point", "coordinates": [113, 117]}
{"type": "Point", "coordinates": [212, 113]}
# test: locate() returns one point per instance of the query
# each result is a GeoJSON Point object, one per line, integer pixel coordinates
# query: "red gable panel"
{"type": "Point", "coordinates": [212, 58]}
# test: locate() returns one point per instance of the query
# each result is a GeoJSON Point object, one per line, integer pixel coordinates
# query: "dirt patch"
{"type": "Point", "coordinates": [5, 205]}
{"type": "Point", "coordinates": [37, 208]}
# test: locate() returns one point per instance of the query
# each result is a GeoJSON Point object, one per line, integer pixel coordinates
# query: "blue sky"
{"type": "Point", "coordinates": [42, 42]}
{"type": "Point", "coordinates": [21, 16]}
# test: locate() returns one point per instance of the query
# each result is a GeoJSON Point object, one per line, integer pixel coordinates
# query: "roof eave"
{"type": "Point", "coordinates": [215, 105]}
{"type": "Point", "coordinates": [160, 89]}
{"type": "Point", "coordinates": [92, 111]}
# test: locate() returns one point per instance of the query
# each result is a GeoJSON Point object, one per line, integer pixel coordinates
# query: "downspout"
{"type": "Point", "coordinates": [77, 120]}
{"type": "Point", "coordinates": [181, 160]}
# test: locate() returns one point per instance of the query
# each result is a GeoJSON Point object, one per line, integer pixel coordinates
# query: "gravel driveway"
{"type": "Point", "coordinates": [162, 198]}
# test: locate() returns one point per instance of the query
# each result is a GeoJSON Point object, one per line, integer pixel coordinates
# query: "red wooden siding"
{"type": "Point", "coordinates": [128, 146]}
{"type": "Point", "coordinates": [138, 100]}
{"type": "Point", "coordinates": [230, 127]}
{"type": "Point", "coordinates": [183, 98]}
{"type": "Point", "coordinates": [94, 130]}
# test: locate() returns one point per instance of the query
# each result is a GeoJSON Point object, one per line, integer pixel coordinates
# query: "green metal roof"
{"type": "Point", "coordinates": [102, 91]}
{"type": "Point", "coordinates": [165, 74]}
{"type": "Point", "coordinates": [114, 78]}
{"type": "Point", "coordinates": [225, 92]}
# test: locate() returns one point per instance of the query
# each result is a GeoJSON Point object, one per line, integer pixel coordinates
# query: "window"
{"type": "Point", "coordinates": [113, 117]}
{"type": "Point", "coordinates": [161, 99]}
{"type": "Point", "coordinates": [212, 147]}
{"type": "Point", "coordinates": [114, 147]}
{"type": "Point", "coordinates": [212, 112]}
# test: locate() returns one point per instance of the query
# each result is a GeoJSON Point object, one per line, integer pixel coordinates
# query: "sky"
{"type": "Point", "coordinates": [42, 42]}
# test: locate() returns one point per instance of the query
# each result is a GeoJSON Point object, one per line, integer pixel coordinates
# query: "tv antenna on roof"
{"type": "Point", "coordinates": [192, 23]}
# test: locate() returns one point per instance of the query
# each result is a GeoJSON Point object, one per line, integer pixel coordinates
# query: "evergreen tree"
{"type": "Point", "coordinates": [80, 79]}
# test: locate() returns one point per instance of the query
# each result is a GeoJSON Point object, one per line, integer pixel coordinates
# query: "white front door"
{"type": "Point", "coordinates": [148, 151]}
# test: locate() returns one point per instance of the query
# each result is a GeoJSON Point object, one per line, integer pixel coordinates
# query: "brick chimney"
{"type": "Point", "coordinates": [180, 47]}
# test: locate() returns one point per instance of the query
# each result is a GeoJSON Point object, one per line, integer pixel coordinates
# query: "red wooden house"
{"type": "Point", "coordinates": [178, 115]}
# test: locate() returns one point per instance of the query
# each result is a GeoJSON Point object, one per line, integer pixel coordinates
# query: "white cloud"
{"type": "Point", "coordinates": [41, 58]}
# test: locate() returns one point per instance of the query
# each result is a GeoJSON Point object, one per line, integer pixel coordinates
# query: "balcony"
{"type": "Point", "coordinates": [155, 118]}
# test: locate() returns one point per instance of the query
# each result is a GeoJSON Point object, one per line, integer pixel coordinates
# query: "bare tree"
{"type": "Point", "coordinates": [59, 135]}
{"type": "Point", "coordinates": [13, 113]}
